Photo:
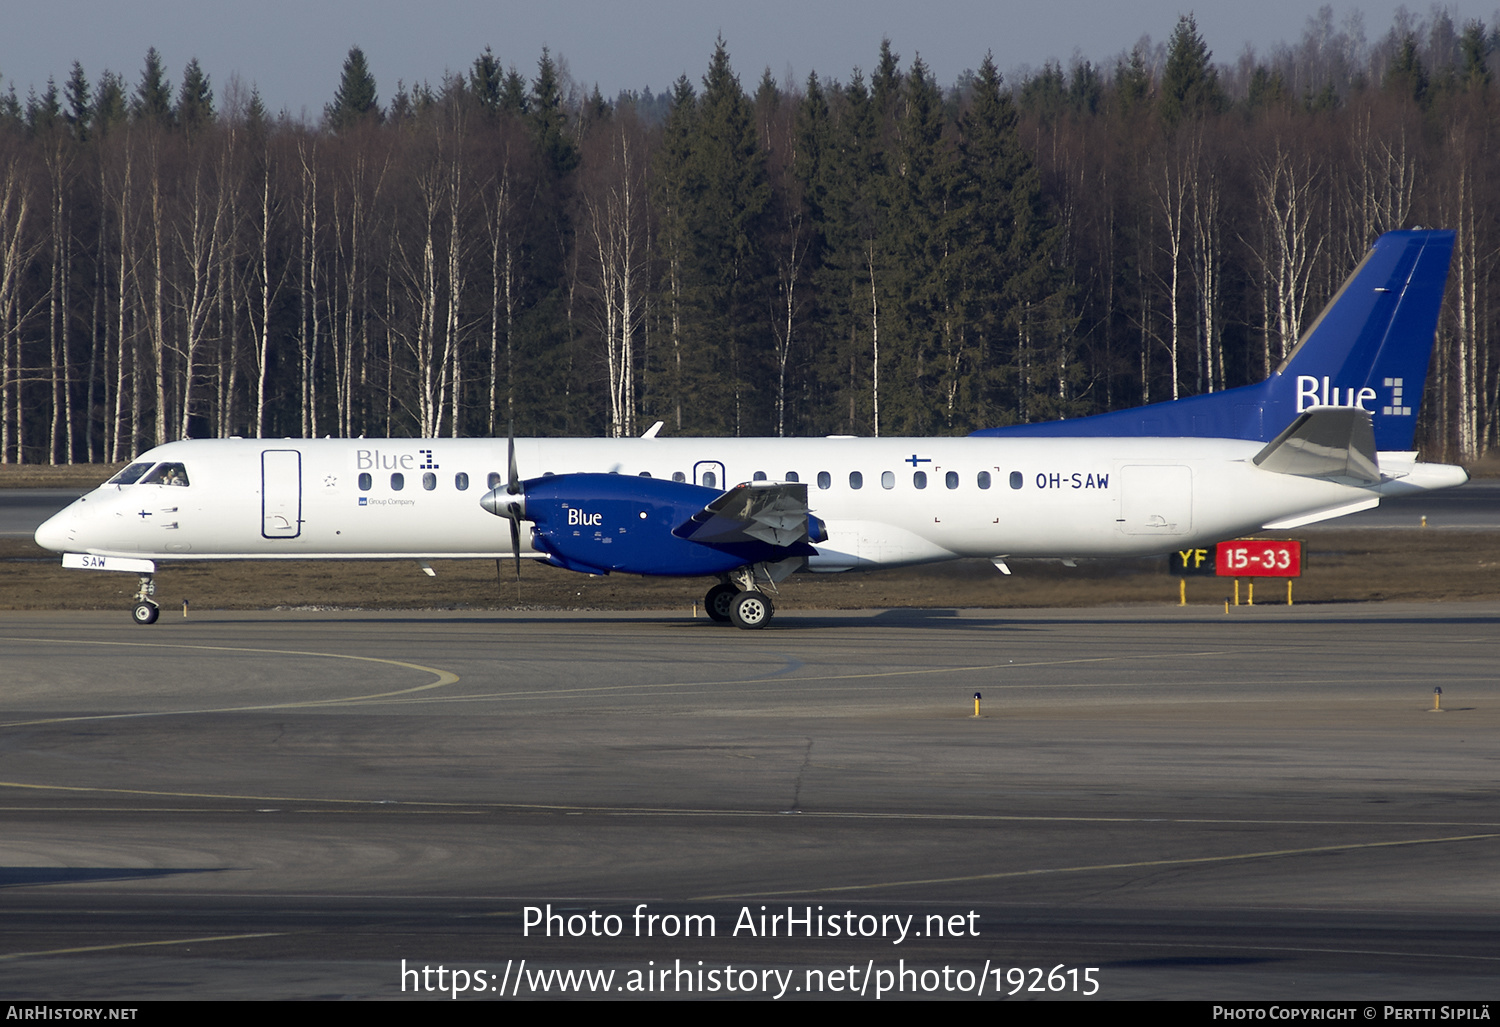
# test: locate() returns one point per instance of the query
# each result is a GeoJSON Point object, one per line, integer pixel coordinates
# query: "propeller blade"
{"type": "Point", "coordinates": [514, 485]}
{"type": "Point", "coordinates": [513, 509]}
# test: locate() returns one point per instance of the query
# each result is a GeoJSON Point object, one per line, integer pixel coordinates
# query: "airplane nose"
{"type": "Point", "coordinates": [56, 531]}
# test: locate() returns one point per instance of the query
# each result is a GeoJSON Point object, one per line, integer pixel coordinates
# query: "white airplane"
{"type": "Point", "coordinates": [1329, 433]}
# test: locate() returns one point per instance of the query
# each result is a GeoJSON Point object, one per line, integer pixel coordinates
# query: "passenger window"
{"type": "Point", "coordinates": [461, 481]}
{"type": "Point", "coordinates": [494, 479]}
{"type": "Point", "coordinates": [984, 479]}
{"type": "Point", "coordinates": [678, 476]}
{"type": "Point", "coordinates": [398, 481]}
{"type": "Point", "coordinates": [1015, 479]}
{"type": "Point", "coordinates": [825, 480]}
{"type": "Point", "coordinates": [792, 476]}
{"type": "Point", "coordinates": [644, 474]}
{"type": "Point", "coordinates": [429, 480]}
{"type": "Point", "coordinates": [758, 476]}
{"type": "Point", "coordinates": [130, 475]}
{"type": "Point", "coordinates": [919, 479]}
{"type": "Point", "coordinates": [710, 480]}
{"type": "Point", "coordinates": [887, 479]}
{"type": "Point", "coordinates": [856, 480]}
{"type": "Point", "coordinates": [365, 481]}
{"type": "Point", "coordinates": [951, 479]}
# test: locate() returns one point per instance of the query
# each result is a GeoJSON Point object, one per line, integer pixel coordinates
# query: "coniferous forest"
{"type": "Point", "coordinates": [876, 253]}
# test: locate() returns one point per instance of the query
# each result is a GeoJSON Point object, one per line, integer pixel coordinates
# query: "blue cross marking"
{"type": "Point", "coordinates": [914, 460]}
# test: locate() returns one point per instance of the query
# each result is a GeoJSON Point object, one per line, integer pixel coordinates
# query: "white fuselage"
{"type": "Point", "coordinates": [884, 502]}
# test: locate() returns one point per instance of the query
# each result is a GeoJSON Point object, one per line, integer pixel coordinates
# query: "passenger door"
{"type": "Point", "coordinates": [280, 493]}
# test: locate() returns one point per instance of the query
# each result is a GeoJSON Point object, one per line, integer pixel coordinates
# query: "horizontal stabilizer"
{"type": "Point", "coordinates": [1337, 443]}
{"type": "Point", "coordinates": [775, 514]}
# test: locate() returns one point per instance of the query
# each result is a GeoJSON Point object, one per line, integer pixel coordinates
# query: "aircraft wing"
{"type": "Point", "coordinates": [771, 512]}
{"type": "Point", "coordinates": [1337, 443]}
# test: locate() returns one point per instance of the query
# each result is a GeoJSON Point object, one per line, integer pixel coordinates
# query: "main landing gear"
{"type": "Point", "coordinates": [739, 602]}
{"type": "Point", "coordinates": [145, 611]}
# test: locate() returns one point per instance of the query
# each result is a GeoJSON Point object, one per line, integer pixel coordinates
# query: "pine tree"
{"type": "Point", "coordinates": [1267, 90]}
{"type": "Point", "coordinates": [728, 204]}
{"type": "Point", "coordinates": [1132, 82]}
{"type": "Point", "coordinates": [487, 81]}
{"type": "Point", "coordinates": [922, 245]}
{"type": "Point", "coordinates": [513, 99]}
{"type": "Point", "coordinates": [44, 113]}
{"type": "Point", "coordinates": [1406, 76]}
{"type": "Point", "coordinates": [1189, 84]}
{"type": "Point", "coordinates": [811, 144]}
{"type": "Point", "coordinates": [256, 118]}
{"type": "Point", "coordinates": [109, 108]}
{"type": "Point", "coordinates": [1019, 298]}
{"type": "Point", "coordinates": [402, 106]}
{"type": "Point", "coordinates": [549, 122]}
{"type": "Point", "coordinates": [1085, 89]}
{"type": "Point", "coordinates": [671, 185]}
{"type": "Point", "coordinates": [11, 113]}
{"type": "Point", "coordinates": [1045, 95]}
{"type": "Point", "coordinates": [1475, 73]}
{"type": "Point", "coordinates": [153, 97]}
{"type": "Point", "coordinates": [852, 188]}
{"type": "Point", "coordinates": [356, 100]}
{"type": "Point", "coordinates": [80, 105]}
{"type": "Point", "coordinates": [885, 86]}
{"type": "Point", "coordinates": [596, 110]}
{"type": "Point", "coordinates": [195, 101]}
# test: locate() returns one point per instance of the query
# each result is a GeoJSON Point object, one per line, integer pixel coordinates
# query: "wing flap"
{"type": "Point", "coordinates": [775, 513]}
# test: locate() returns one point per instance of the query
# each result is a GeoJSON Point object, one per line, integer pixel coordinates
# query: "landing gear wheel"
{"type": "Point", "coordinates": [145, 613]}
{"type": "Point", "coordinates": [716, 604]}
{"type": "Point", "coordinates": [751, 610]}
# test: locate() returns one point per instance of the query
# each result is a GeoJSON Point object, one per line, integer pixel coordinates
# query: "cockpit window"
{"type": "Point", "coordinates": [130, 475]}
{"type": "Point", "coordinates": [166, 474]}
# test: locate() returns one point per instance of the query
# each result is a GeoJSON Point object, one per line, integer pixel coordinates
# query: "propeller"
{"type": "Point", "coordinates": [511, 504]}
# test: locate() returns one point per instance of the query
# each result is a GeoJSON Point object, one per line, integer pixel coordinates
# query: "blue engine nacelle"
{"type": "Point", "coordinates": [598, 523]}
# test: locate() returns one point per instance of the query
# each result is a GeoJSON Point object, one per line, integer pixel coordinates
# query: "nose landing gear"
{"type": "Point", "coordinates": [145, 611]}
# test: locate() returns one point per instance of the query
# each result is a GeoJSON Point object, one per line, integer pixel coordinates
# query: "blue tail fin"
{"type": "Point", "coordinates": [1370, 348]}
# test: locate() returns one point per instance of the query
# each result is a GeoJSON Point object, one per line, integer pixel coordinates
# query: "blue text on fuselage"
{"type": "Point", "coordinates": [374, 459]}
{"type": "Point", "coordinates": [1076, 480]}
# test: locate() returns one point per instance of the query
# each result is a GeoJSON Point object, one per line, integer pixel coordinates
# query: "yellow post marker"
{"type": "Point", "coordinates": [1437, 701]}
{"type": "Point", "coordinates": [184, 607]}
{"type": "Point", "coordinates": [1250, 586]}
{"type": "Point", "coordinates": [976, 703]}
{"type": "Point", "coordinates": [1226, 604]}
{"type": "Point", "coordinates": [1424, 520]}
{"type": "Point", "coordinates": [1289, 591]}
{"type": "Point", "coordinates": [1236, 591]}
{"type": "Point", "coordinates": [1182, 592]}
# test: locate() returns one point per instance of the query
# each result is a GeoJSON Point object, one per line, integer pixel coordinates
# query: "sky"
{"type": "Point", "coordinates": [293, 50]}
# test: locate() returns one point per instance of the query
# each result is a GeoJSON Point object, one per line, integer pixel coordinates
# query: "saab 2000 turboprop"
{"type": "Point", "coordinates": [1329, 433]}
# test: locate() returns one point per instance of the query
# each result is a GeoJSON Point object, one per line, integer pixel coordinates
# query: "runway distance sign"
{"type": "Point", "coordinates": [1259, 558]}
